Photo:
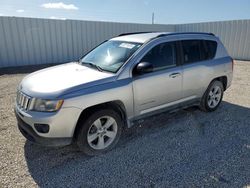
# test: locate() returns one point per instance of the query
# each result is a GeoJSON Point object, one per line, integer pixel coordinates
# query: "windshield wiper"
{"type": "Point", "coordinates": [92, 65]}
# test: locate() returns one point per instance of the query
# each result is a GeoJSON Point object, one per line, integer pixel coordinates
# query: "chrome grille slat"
{"type": "Point", "coordinates": [17, 97]}
{"type": "Point", "coordinates": [23, 100]}
{"type": "Point", "coordinates": [20, 99]}
{"type": "Point", "coordinates": [27, 103]}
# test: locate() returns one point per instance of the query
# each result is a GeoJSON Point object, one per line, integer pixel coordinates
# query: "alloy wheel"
{"type": "Point", "coordinates": [102, 132]}
{"type": "Point", "coordinates": [214, 96]}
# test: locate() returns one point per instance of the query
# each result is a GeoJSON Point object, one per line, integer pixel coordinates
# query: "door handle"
{"type": "Point", "coordinates": [174, 75]}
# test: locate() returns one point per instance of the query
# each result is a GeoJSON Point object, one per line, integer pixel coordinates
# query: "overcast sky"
{"type": "Point", "coordinates": [139, 11]}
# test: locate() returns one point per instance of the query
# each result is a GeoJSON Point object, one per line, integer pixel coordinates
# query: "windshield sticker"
{"type": "Point", "coordinates": [127, 45]}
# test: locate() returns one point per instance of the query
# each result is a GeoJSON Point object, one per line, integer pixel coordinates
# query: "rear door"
{"type": "Point", "coordinates": [197, 66]}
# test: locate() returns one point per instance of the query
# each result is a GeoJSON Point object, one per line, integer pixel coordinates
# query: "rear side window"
{"type": "Point", "coordinates": [198, 50]}
{"type": "Point", "coordinates": [210, 49]}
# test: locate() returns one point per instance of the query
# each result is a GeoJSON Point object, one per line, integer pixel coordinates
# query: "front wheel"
{"type": "Point", "coordinates": [212, 97]}
{"type": "Point", "coordinates": [100, 132]}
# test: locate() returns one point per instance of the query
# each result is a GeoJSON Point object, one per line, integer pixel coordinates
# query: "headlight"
{"type": "Point", "coordinates": [43, 105]}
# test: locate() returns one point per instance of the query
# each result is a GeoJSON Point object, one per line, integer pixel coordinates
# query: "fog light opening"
{"type": "Point", "coordinates": [42, 128]}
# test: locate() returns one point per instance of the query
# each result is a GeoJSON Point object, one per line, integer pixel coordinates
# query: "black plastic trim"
{"type": "Point", "coordinates": [28, 132]}
{"type": "Point", "coordinates": [185, 33]}
{"type": "Point", "coordinates": [169, 109]}
{"type": "Point", "coordinates": [167, 34]}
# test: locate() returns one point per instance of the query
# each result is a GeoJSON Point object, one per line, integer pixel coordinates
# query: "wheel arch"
{"type": "Point", "coordinates": [222, 79]}
{"type": "Point", "coordinates": [117, 105]}
{"type": "Point", "coordinates": [203, 103]}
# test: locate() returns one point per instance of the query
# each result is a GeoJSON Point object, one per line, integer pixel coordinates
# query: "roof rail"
{"type": "Point", "coordinates": [133, 33]}
{"type": "Point", "coordinates": [167, 34]}
{"type": "Point", "coordinates": [183, 33]}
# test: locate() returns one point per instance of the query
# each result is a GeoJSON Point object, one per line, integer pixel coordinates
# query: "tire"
{"type": "Point", "coordinates": [100, 132]}
{"type": "Point", "coordinates": [213, 93]}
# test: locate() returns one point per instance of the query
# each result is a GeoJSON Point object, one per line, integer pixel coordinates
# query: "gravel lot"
{"type": "Point", "coordinates": [185, 149]}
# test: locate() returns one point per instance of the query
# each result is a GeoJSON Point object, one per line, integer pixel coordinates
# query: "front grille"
{"type": "Point", "coordinates": [22, 100]}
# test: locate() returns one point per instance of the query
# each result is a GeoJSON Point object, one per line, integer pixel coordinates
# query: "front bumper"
{"type": "Point", "coordinates": [28, 132]}
{"type": "Point", "coordinates": [61, 125]}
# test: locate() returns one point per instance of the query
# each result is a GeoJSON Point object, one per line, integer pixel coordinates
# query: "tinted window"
{"type": "Point", "coordinates": [198, 50]}
{"type": "Point", "coordinates": [192, 50]}
{"type": "Point", "coordinates": [210, 49]}
{"type": "Point", "coordinates": [161, 56]}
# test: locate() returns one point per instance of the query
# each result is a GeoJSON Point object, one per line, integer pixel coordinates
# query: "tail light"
{"type": "Point", "coordinates": [232, 64]}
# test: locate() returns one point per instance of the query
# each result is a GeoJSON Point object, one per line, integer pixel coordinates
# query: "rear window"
{"type": "Point", "coordinates": [198, 50]}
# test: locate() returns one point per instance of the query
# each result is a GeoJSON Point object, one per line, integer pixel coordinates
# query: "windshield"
{"type": "Point", "coordinates": [110, 55]}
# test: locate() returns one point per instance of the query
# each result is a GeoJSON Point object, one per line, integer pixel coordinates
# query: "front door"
{"type": "Point", "coordinates": [162, 87]}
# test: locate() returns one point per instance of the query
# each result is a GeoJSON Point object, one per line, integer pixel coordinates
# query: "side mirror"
{"type": "Point", "coordinates": [144, 67]}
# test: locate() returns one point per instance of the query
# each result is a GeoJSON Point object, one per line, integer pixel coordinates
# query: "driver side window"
{"type": "Point", "coordinates": [161, 56]}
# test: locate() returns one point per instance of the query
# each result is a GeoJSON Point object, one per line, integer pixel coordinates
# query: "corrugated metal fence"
{"type": "Point", "coordinates": [235, 35]}
{"type": "Point", "coordinates": [31, 41]}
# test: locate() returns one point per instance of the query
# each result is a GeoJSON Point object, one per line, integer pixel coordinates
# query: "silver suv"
{"type": "Point", "coordinates": [126, 78]}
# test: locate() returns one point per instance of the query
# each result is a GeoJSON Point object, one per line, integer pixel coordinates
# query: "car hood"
{"type": "Point", "coordinates": [58, 80]}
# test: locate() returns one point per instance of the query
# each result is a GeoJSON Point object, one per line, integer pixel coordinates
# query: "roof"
{"type": "Point", "coordinates": [142, 37]}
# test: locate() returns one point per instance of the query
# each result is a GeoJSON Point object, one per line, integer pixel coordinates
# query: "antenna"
{"type": "Point", "coordinates": [153, 18]}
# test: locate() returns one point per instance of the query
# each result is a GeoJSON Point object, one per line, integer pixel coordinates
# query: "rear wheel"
{"type": "Point", "coordinates": [212, 97]}
{"type": "Point", "coordinates": [100, 132]}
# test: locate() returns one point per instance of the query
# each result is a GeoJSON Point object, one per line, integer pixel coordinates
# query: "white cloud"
{"type": "Point", "coordinates": [1, 14]}
{"type": "Point", "coordinates": [57, 18]}
{"type": "Point", "coordinates": [20, 10]}
{"type": "Point", "coordinates": [60, 5]}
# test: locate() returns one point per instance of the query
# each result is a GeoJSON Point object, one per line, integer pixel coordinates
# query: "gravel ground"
{"type": "Point", "coordinates": [185, 149]}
